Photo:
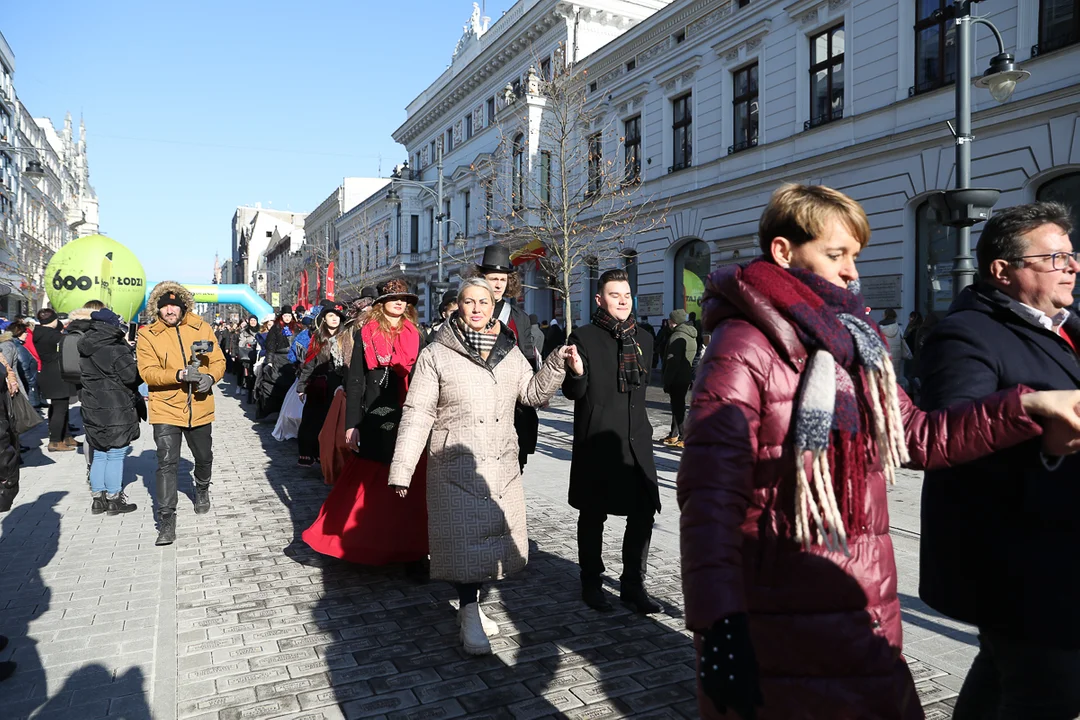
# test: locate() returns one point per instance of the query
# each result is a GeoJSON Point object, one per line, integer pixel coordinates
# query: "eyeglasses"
{"type": "Point", "coordinates": [1059, 260]}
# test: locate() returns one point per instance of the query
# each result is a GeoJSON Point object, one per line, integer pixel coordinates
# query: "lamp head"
{"type": "Point", "coordinates": [392, 196]}
{"type": "Point", "coordinates": [34, 170]}
{"type": "Point", "coordinates": [1002, 77]}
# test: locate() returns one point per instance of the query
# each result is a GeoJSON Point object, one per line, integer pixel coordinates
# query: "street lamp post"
{"type": "Point", "coordinates": [964, 206]}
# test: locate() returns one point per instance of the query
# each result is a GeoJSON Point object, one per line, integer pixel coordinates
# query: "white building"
{"type": "Point", "coordinates": [37, 215]}
{"type": "Point", "coordinates": [252, 230]}
{"type": "Point", "coordinates": [722, 101]}
{"type": "Point", "coordinates": [322, 243]}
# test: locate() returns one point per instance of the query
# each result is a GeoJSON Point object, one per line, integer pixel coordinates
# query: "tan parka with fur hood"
{"type": "Point", "coordinates": [164, 350]}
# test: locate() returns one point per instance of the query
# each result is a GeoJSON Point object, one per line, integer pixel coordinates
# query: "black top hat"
{"type": "Point", "coordinates": [287, 309]}
{"type": "Point", "coordinates": [369, 291]}
{"type": "Point", "coordinates": [496, 260]}
{"type": "Point", "coordinates": [397, 289]}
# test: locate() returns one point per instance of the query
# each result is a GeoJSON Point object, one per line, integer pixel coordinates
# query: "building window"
{"type": "Point", "coordinates": [631, 65]}
{"type": "Point", "coordinates": [596, 158]}
{"type": "Point", "coordinates": [386, 254]}
{"type": "Point", "coordinates": [545, 69]}
{"type": "Point", "coordinates": [692, 265]}
{"type": "Point", "coordinates": [431, 227]}
{"type": "Point", "coordinates": [517, 179]}
{"type": "Point", "coordinates": [630, 264]}
{"type": "Point", "coordinates": [490, 111]}
{"type": "Point", "coordinates": [516, 85]}
{"type": "Point", "coordinates": [935, 247]}
{"type": "Point", "coordinates": [632, 149]}
{"type": "Point", "coordinates": [680, 37]}
{"type": "Point", "coordinates": [414, 233]}
{"type": "Point", "coordinates": [1064, 189]}
{"type": "Point", "coordinates": [446, 220]}
{"type": "Point", "coordinates": [935, 46]}
{"type": "Point", "coordinates": [467, 201]}
{"type": "Point", "coordinates": [1059, 25]}
{"type": "Point", "coordinates": [745, 109]}
{"type": "Point", "coordinates": [449, 139]}
{"type": "Point", "coordinates": [682, 117]}
{"type": "Point", "coordinates": [592, 269]}
{"type": "Point", "coordinates": [433, 150]}
{"type": "Point", "coordinates": [489, 206]}
{"type": "Point", "coordinates": [468, 126]}
{"type": "Point", "coordinates": [545, 177]}
{"type": "Point", "coordinates": [592, 86]}
{"type": "Point", "coordinates": [826, 77]}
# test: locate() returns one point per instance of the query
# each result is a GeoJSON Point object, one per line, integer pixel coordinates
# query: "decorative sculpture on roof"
{"type": "Point", "coordinates": [472, 30]}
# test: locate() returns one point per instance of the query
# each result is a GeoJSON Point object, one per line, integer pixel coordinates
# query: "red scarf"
{"type": "Point", "coordinates": [397, 352]}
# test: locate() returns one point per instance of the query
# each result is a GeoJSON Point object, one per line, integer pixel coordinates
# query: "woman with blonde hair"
{"type": "Point", "coordinates": [362, 521]}
{"type": "Point", "coordinates": [796, 428]}
{"type": "Point", "coordinates": [464, 390]}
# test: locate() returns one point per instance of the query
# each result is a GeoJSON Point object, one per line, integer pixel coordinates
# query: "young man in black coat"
{"type": "Point", "coordinates": [1000, 536]}
{"type": "Point", "coordinates": [47, 338]}
{"type": "Point", "coordinates": [612, 471]}
{"type": "Point", "coordinates": [500, 273]}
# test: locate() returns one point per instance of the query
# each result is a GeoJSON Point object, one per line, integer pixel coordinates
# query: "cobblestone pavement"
{"type": "Point", "coordinates": [239, 619]}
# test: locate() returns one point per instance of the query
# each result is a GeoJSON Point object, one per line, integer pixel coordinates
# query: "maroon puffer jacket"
{"type": "Point", "coordinates": [825, 627]}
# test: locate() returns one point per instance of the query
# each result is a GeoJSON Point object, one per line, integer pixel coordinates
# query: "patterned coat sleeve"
{"type": "Point", "coordinates": [416, 420]}
{"type": "Point", "coordinates": [537, 389]}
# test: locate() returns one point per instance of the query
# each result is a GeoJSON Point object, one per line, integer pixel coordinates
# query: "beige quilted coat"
{"type": "Point", "coordinates": [476, 503]}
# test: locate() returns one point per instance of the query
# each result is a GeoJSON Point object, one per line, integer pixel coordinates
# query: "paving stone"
{"type": "Point", "coordinates": [379, 705]}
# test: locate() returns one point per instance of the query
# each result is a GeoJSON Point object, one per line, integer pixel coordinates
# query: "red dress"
{"type": "Point", "coordinates": [363, 520]}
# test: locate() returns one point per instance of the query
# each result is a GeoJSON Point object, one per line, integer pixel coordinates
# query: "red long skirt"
{"type": "Point", "coordinates": [364, 521]}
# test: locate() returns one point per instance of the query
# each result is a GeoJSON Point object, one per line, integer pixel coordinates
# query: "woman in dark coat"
{"type": "Point", "coordinates": [682, 348]}
{"type": "Point", "coordinates": [110, 407]}
{"type": "Point", "coordinates": [278, 373]}
{"type": "Point", "coordinates": [796, 427]}
{"type": "Point", "coordinates": [363, 521]}
{"type": "Point", "coordinates": [9, 441]}
{"type": "Point", "coordinates": [324, 371]}
{"type": "Point", "coordinates": [47, 338]}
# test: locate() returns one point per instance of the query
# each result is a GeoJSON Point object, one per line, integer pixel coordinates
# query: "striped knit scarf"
{"type": "Point", "coordinates": [631, 367]}
{"type": "Point", "coordinates": [849, 376]}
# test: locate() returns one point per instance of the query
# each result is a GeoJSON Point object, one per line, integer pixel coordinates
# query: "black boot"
{"type": "Point", "coordinates": [8, 491]}
{"type": "Point", "coordinates": [166, 530]}
{"type": "Point", "coordinates": [7, 669]}
{"type": "Point", "coordinates": [118, 504]}
{"type": "Point", "coordinates": [592, 593]}
{"type": "Point", "coordinates": [100, 504]}
{"type": "Point", "coordinates": [202, 498]}
{"type": "Point", "coordinates": [635, 596]}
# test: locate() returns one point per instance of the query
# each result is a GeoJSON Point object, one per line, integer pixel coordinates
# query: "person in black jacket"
{"type": "Point", "coordinates": [110, 407]}
{"type": "Point", "coordinates": [323, 371]}
{"type": "Point", "coordinates": [1000, 537]}
{"type": "Point", "coordinates": [503, 277]}
{"type": "Point", "coordinates": [47, 337]}
{"type": "Point", "coordinates": [612, 471]}
{"type": "Point", "coordinates": [9, 450]}
{"type": "Point", "coordinates": [278, 373]}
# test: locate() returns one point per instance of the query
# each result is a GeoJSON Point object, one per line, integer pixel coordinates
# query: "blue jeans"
{"type": "Point", "coordinates": [107, 470]}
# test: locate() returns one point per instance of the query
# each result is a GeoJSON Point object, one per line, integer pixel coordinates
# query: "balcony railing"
{"type": "Point", "coordinates": [824, 119]}
{"type": "Point", "coordinates": [743, 145]}
{"type": "Point", "coordinates": [1055, 43]}
{"type": "Point", "coordinates": [929, 85]}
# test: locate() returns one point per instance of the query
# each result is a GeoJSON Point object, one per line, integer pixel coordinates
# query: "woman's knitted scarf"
{"type": "Point", "coordinates": [631, 368]}
{"type": "Point", "coordinates": [481, 341]}
{"type": "Point", "coordinates": [849, 376]}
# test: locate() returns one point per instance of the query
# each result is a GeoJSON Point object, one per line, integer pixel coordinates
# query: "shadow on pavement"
{"type": "Point", "coordinates": [78, 699]}
{"type": "Point", "coordinates": [29, 537]}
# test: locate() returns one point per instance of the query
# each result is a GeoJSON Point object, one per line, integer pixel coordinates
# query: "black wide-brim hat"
{"type": "Point", "coordinates": [496, 260]}
{"type": "Point", "coordinates": [332, 307]}
{"type": "Point", "coordinates": [396, 290]}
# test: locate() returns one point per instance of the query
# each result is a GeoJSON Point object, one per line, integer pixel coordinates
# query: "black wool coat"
{"type": "Point", "coordinates": [526, 421]}
{"type": "Point", "coordinates": [373, 403]}
{"type": "Point", "coordinates": [612, 470]}
{"type": "Point", "coordinates": [110, 382]}
{"type": "Point", "coordinates": [1000, 536]}
{"type": "Point", "coordinates": [47, 342]}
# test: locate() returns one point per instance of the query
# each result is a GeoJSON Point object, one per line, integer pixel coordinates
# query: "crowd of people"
{"type": "Point", "coordinates": [799, 420]}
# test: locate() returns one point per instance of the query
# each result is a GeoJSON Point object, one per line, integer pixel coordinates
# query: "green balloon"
{"type": "Point", "coordinates": [96, 267]}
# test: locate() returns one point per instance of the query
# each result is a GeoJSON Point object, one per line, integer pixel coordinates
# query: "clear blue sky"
{"type": "Point", "coordinates": [194, 108]}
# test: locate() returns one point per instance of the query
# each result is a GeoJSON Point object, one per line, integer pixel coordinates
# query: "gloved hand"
{"type": "Point", "coordinates": [729, 672]}
{"type": "Point", "coordinates": [191, 373]}
{"type": "Point", "coordinates": [205, 383]}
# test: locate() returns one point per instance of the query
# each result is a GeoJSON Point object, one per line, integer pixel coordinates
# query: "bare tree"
{"type": "Point", "coordinates": [558, 194]}
{"type": "Point", "coordinates": [371, 248]}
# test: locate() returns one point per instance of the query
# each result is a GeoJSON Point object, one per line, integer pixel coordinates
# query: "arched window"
{"type": "Point", "coordinates": [692, 265]}
{"type": "Point", "coordinates": [1064, 189]}
{"type": "Point", "coordinates": [935, 248]}
{"type": "Point", "coordinates": [517, 190]}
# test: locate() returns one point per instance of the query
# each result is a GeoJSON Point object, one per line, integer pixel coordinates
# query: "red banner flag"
{"type": "Point", "coordinates": [330, 281]}
{"type": "Point", "coordinates": [318, 284]}
{"type": "Point", "coordinates": [302, 299]}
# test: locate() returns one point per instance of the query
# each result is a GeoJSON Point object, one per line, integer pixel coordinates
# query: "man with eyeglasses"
{"type": "Point", "coordinates": [1001, 536]}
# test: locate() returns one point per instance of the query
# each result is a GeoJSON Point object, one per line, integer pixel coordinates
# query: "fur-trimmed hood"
{"type": "Point", "coordinates": [169, 286]}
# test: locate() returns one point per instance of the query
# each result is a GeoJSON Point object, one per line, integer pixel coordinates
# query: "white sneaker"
{"type": "Point", "coordinates": [473, 638]}
{"type": "Point", "coordinates": [491, 628]}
